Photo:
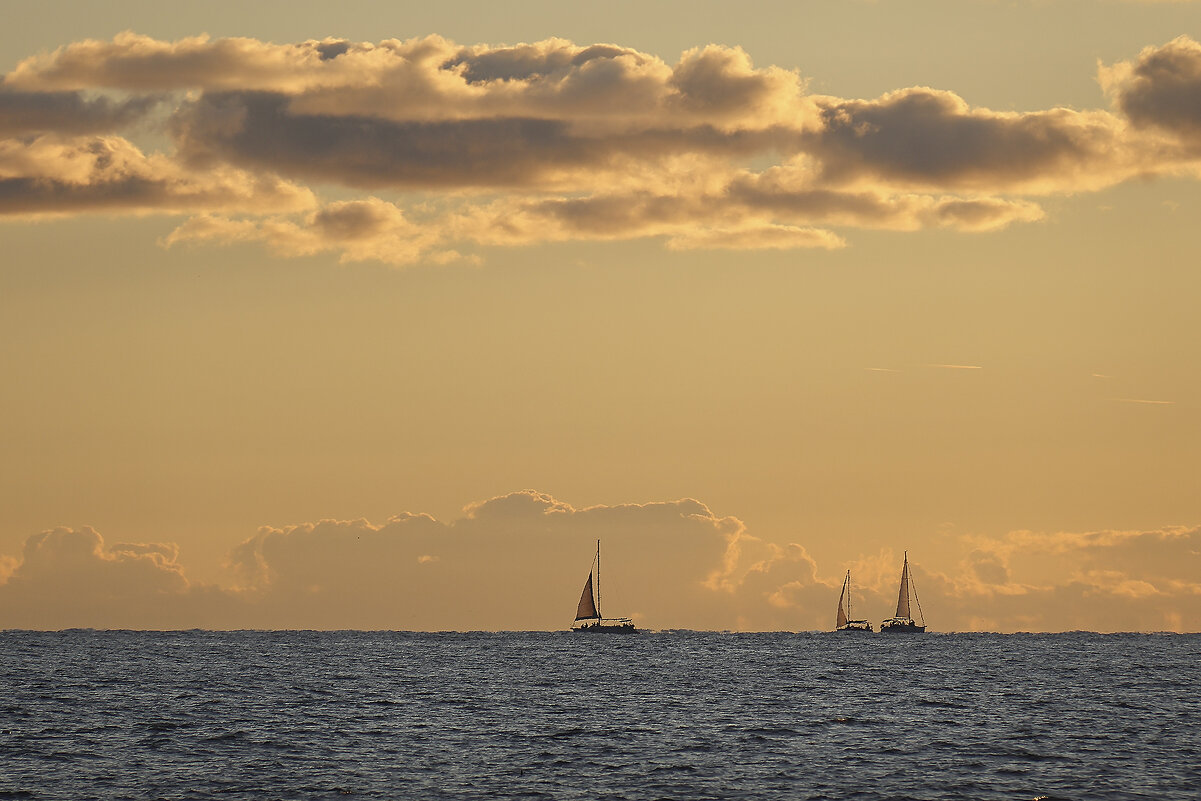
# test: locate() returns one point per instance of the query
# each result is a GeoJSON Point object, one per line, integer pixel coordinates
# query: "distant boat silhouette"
{"type": "Point", "coordinates": [588, 614]}
{"type": "Point", "coordinates": [903, 623]}
{"type": "Point", "coordinates": [842, 624]}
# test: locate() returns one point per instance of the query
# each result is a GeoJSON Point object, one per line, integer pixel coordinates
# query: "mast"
{"type": "Point", "coordinates": [919, 606]}
{"type": "Point", "coordinates": [915, 598]}
{"type": "Point", "coordinates": [903, 596]}
{"type": "Point", "coordinates": [599, 616]}
{"type": "Point", "coordinates": [841, 620]}
{"type": "Point", "coordinates": [849, 612]}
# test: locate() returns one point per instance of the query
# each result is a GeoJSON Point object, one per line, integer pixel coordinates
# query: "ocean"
{"type": "Point", "coordinates": [657, 715]}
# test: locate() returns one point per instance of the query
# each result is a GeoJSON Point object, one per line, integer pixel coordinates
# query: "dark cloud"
{"type": "Point", "coordinates": [720, 80]}
{"type": "Point", "coordinates": [528, 62]}
{"type": "Point", "coordinates": [1162, 89]}
{"type": "Point", "coordinates": [259, 130]}
{"type": "Point", "coordinates": [353, 220]}
{"type": "Point", "coordinates": [874, 209]}
{"type": "Point", "coordinates": [23, 113]}
{"type": "Point", "coordinates": [932, 139]}
{"type": "Point", "coordinates": [372, 152]}
{"type": "Point", "coordinates": [50, 196]}
{"type": "Point", "coordinates": [331, 50]}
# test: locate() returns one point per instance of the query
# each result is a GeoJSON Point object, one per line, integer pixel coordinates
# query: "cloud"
{"type": "Point", "coordinates": [23, 113]}
{"type": "Point", "coordinates": [519, 561]}
{"type": "Point", "coordinates": [268, 131]}
{"type": "Point", "coordinates": [433, 78]}
{"type": "Point", "coordinates": [1099, 580]}
{"type": "Point", "coordinates": [761, 237]}
{"type": "Point", "coordinates": [358, 230]}
{"type": "Point", "coordinates": [789, 193]}
{"type": "Point", "coordinates": [51, 174]}
{"type": "Point", "coordinates": [551, 141]}
{"type": "Point", "coordinates": [922, 138]}
{"type": "Point", "coordinates": [1161, 89]}
{"type": "Point", "coordinates": [727, 218]}
{"type": "Point", "coordinates": [70, 578]}
{"type": "Point", "coordinates": [513, 561]}
{"type": "Point", "coordinates": [141, 63]}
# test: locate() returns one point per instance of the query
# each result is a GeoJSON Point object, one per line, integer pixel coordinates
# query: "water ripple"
{"type": "Point", "coordinates": [383, 715]}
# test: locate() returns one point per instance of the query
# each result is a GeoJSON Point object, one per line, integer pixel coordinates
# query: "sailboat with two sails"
{"type": "Point", "coordinates": [842, 623]}
{"type": "Point", "coordinates": [588, 615]}
{"type": "Point", "coordinates": [903, 622]}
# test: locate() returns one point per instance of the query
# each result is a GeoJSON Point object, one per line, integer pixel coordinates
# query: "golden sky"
{"type": "Point", "coordinates": [379, 317]}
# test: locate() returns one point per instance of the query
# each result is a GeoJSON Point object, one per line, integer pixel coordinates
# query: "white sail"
{"type": "Point", "coordinates": [587, 608]}
{"type": "Point", "coordinates": [842, 615]}
{"type": "Point", "coordinates": [903, 597]}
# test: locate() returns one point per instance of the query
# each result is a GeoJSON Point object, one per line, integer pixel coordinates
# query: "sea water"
{"type": "Point", "coordinates": [678, 715]}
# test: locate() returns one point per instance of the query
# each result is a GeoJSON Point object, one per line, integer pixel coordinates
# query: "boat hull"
{"type": "Point", "coordinates": [901, 627]}
{"type": "Point", "coordinates": [606, 628]}
{"type": "Point", "coordinates": [861, 626]}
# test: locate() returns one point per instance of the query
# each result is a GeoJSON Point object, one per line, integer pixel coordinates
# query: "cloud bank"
{"type": "Point", "coordinates": [518, 561]}
{"type": "Point", "coordinates": [460, 147]}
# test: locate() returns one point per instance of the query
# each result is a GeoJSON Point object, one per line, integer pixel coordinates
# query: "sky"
{"type": "Point", "coordinates": [380, 316]}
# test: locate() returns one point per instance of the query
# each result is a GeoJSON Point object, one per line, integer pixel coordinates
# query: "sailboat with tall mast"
{"type": "Point", "coordinates": [902, 622]}
{"type": "Point", "coordinates": [588, 613]}
{"type": "Point", "coordinates": [842, 623]}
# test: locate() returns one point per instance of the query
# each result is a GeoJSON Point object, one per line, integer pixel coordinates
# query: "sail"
{"type": "Point", "coordinates": [587, 608]}
{"type": "Point", "coordinates": [842, 615]}
{"type": "Point", "coordinates": [903, 597]}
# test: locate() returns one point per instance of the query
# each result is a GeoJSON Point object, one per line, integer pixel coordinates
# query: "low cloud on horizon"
{"type": "Point", "coordinates": [452, 148]}
{"type": "Point", "coordinates": [518, 561]}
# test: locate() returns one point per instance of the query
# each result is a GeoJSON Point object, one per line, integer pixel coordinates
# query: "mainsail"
{"type": "Point", "coordinates": [842, 615]}
{"type": "Point", "coordinates": [587, 608]}
{"type": "Point", "coordinates": [903, 597]}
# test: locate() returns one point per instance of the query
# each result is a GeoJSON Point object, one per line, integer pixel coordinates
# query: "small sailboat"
{"type": "Point", "coordinates": [588, 614]}
{"type": "Point", "coordinates": [903, 622]}
{"type": "Point", "coordinates": [842, 623]}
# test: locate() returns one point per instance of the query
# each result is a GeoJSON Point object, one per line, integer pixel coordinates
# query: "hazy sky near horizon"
{"type": "Point", "coordinates": [378, 317]}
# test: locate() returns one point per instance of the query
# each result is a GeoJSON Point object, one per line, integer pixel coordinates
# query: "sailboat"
{"type": "Point", "coordinates": [588, 614]}
{"type": "Point", "coordinates": [843, 624]}
{"type": "Point", "coordinates": [903, 622]}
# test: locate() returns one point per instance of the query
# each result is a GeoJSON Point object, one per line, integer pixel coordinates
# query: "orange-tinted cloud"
{"type": "Point", "coordinates": [357, 230]}
{"type": "Point", "coordinates": [1161, 89]}
{"type": "Point", "coordinates": [51, 174]}
{"type": "Point", "coordinates": [69, 578]}
{"type": "Point", "coordinates": [516, 561]}
{"type": "Point", "coordinates": [554, 141]}
{"type": "Point", "coordinates": [519, 561]}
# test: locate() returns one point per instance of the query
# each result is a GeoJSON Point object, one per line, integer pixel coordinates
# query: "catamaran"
{"type": "Point", "coordinates": [903, 622]}
{"type": "Point", "coordinates": [842, 623]}
{"type": "Point", "coordinates": [588, 614]}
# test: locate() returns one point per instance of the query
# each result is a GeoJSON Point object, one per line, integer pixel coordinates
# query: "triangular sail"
{"type": "Point", "coordinates": [587, 608]}
{"type": "Point", "coordinates": [903, 597]}
{"type": "Point", "coordinates": [842, 615]}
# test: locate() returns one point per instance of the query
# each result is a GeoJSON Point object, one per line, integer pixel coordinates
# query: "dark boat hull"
{"type": "Point", "coordinates": [861, 626]}
{"type": "Point", "coordinates": [598, 628]}
{"type": "Point", "coordinates": [889, 627]}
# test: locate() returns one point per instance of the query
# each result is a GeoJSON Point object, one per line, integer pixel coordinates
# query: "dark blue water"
{"type": "Point", "coordinates": [254, 715]}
